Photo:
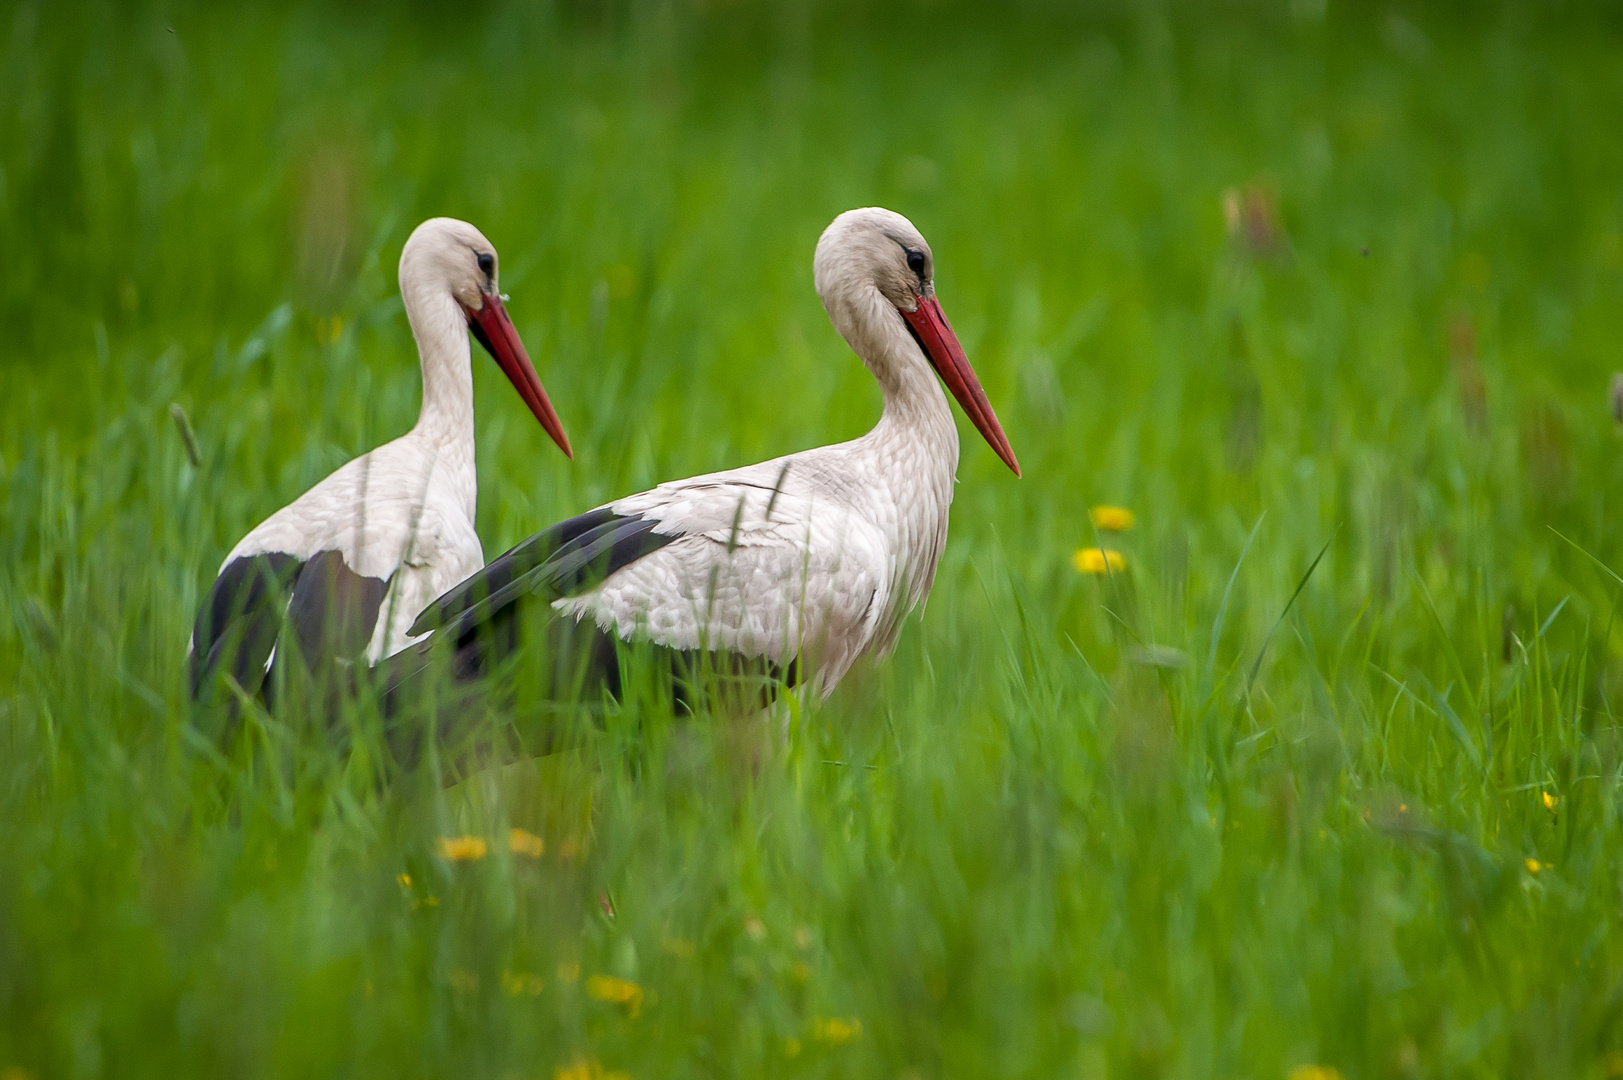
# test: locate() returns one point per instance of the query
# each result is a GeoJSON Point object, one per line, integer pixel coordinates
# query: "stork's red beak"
{"type": "Point", "coordinates": [495, 332]}
{"type": "Point", "coordinates": [930, 324]}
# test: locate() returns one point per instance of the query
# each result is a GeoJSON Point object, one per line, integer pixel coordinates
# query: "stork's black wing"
{"type": "Point", "coordinates": [563, 559]}
{"type": "Point", "coordinates": [331, 610]}
{"type": "Point", "coordinates": [334, 610]}
{"type": "Point", "coordinates": [239, 621]}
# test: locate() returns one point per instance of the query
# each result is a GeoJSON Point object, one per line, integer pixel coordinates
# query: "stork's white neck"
{"type": "Point", "coordinates": [446, 419]}
{"type": "Point", "coordinates": [908, 462]}
{"type": "Point", "coordinates": [916, 408]}
{"type": "Point", "coordinates": [916, 414]}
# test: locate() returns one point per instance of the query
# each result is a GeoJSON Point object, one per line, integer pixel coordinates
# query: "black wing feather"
{"type": "Point", "coordinates": [236, 627]}
{"type": "Point", "coordinates": [334, 610]}
{"type": "Point", "coordinates": [563, 559]}
{"type": "Point", "coordinates": [589, 559]}
{"type": "Point", "coordinates": [331, 610]}
{"type": "Point", "coordinates": [500, 571]}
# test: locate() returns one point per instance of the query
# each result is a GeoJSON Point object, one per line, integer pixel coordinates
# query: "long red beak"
{"type": "Point", "coordinates": [495, 332]}
{"type": "Point", "coordinates": [930, 324]}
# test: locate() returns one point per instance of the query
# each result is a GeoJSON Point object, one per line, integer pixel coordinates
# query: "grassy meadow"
{"type": "Point", "coordinates": [1282, 279]}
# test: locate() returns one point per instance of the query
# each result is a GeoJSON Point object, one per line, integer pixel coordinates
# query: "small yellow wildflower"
{"type": "Point", "coordinates": [581, 1069]}
{"type": "Point", "coordinates": [1099, 561]}
{"type": "Point", "coordinates": [1112, 518]}
{"type": "Point", "coordinates": [619, 991]}
{"type": "Point", "coordinates": [1534, 866]}
{"type": "Point", "coordinates": [404, 880]}
{"type": "Point", "coordinates": [462, 848]}
{"type": "Point", "coordinates": [521, 982]}
{"type": "Point", "coordinates": [524, 842]}
{"type": "Point", "coordinates": [569, 971]}
{"type": "Point", "coordinates": [1550, 801]}
{"type": "Point", "coordinates": [1315, 1072]}
{"type": "Point", "coordinates": [836, 1031]}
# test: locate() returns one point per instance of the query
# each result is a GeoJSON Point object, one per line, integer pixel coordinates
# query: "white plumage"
{"type": "Point", "coordinates": [393, 528]}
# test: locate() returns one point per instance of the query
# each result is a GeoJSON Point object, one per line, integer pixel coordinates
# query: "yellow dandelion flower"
{"type": "Point", "coordinates": [1550, 801]}
{"type": "Point", "coordinates": [835, 1031]}
{"type": "Point", "coordinates": [515, 983]}
{"type": "Point", "coordinates": [1112, 518]}
{"type": "Point", "coordinates": [462, 848]}
{"type": "Point", "coordinates": [1098, 561]}
{"type": "Point", "coordinates": [618, 991]}
{"type": "Point", "coordinates": [1315, 1072]}
{"type": "Point", "coordinates": [1533, 866]}
{"type": "Point", "coordinates": [581, 1069]}
{"type": "Point", "coordinates": [524, 842]}
{"type": "Point", "coordinates": [404, 880]}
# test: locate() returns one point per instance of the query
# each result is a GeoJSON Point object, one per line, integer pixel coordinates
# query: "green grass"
{"type": "Point", "coordinates": [1018, 847]}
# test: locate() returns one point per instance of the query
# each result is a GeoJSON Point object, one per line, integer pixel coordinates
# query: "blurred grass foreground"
{"type": "Point", "coordinates": [1141, 798]}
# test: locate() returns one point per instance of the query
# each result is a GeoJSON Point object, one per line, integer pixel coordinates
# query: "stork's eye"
{"type": "Point", "coordinates": [915, 262]}
{"type": "Point", "coordinates": [487, 264]}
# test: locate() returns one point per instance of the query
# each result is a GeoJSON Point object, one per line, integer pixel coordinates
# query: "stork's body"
{"type": "Point", "coordinates": [348, 565]}
{"type": "Point", "coordinates": [804, 563]}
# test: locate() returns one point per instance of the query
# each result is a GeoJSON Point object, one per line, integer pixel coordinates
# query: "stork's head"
{"type": "Point", "coordinates": [448, 256]}
{"type": "Point", "coordinates": [875, 274]}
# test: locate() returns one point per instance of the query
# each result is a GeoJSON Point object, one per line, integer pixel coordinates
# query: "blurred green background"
{"type": "Point", "coordinates": [1309, 273]}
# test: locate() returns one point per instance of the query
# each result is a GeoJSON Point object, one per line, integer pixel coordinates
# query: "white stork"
{"type": "Point", "coordinates": [799, 565]}
{"type": "Point", "coordinates": [392, 529]}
